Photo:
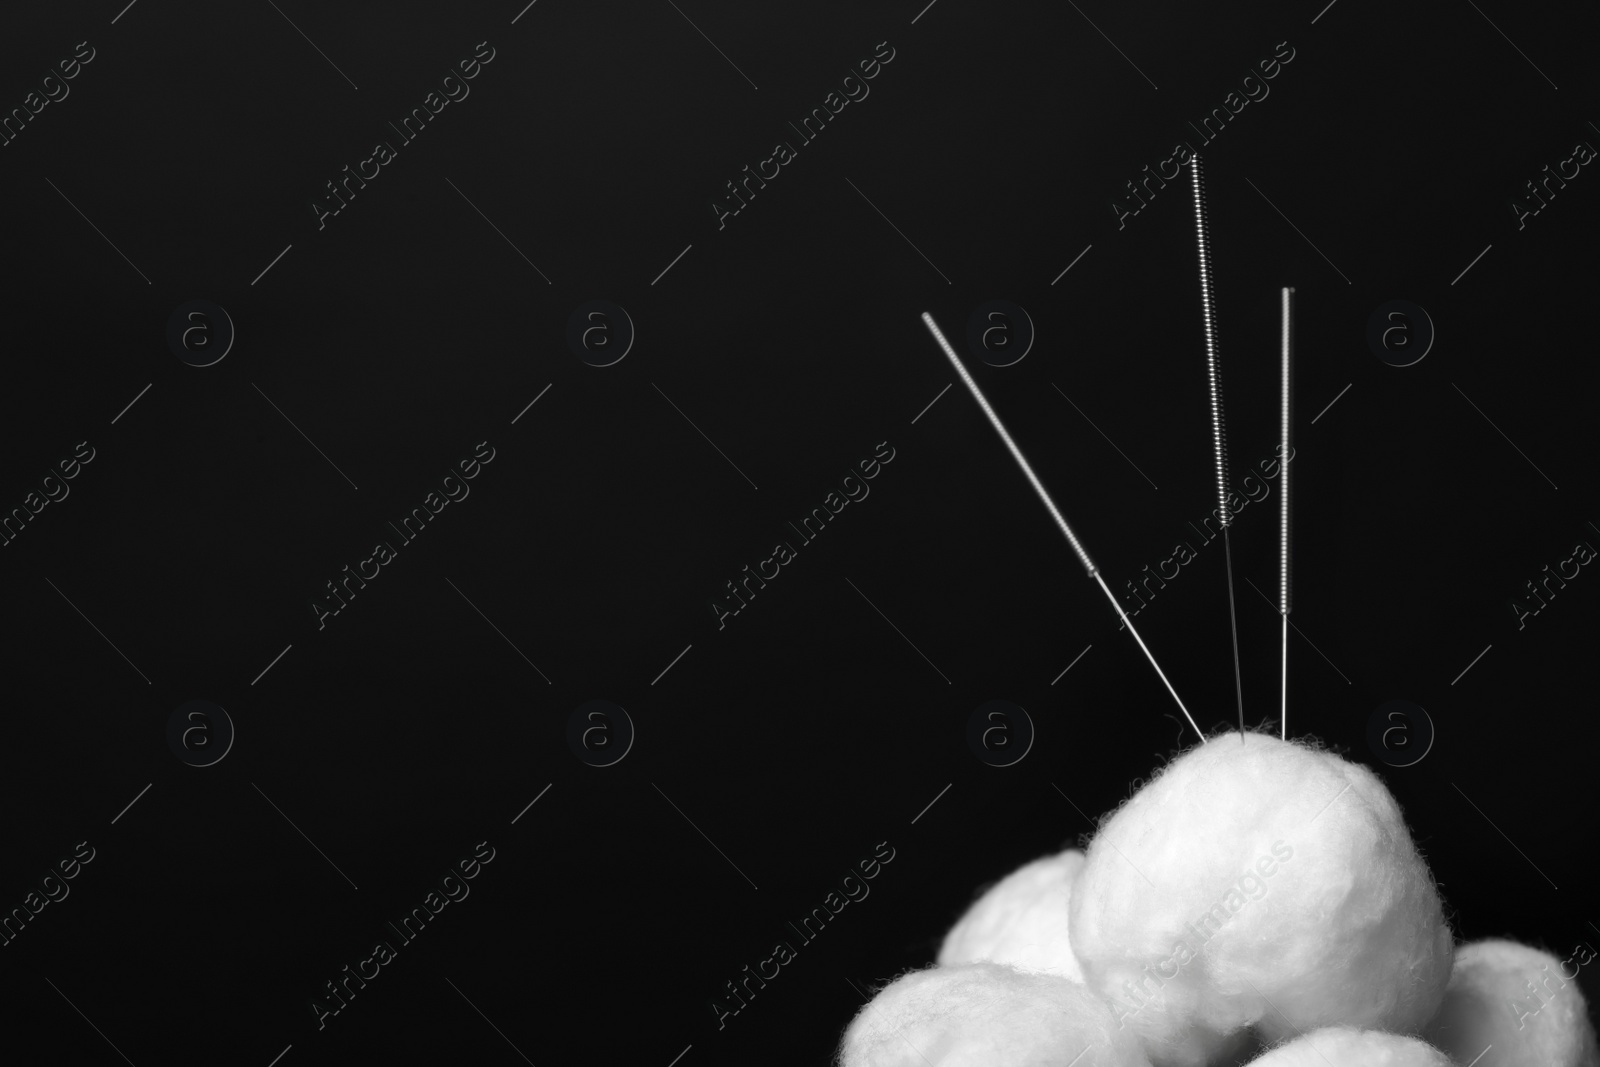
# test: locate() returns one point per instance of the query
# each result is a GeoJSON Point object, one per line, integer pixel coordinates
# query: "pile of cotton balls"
{"type": "Point", "coordinates": [1259, 902]}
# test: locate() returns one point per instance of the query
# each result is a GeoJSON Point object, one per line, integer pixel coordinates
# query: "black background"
{"type": "Point", "coordinates": [808, 730]}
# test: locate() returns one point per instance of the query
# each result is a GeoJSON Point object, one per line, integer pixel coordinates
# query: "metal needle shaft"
{"type": "Point", "coordinates": [1233, 622]}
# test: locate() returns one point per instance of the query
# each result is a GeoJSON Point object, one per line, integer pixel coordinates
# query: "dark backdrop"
{"type": "Point", "coordinates": [771, 755]}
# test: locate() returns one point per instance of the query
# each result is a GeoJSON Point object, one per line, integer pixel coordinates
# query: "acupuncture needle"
{"type": "Point", "coordinates": [1072, 538]}
{"type": "Point", "coordinates": [1286, 414]}
{"type": "Point", "coordinates": [1218, 426]}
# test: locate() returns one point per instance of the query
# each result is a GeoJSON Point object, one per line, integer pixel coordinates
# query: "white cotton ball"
{"type": "Point", "coordinates": [1344, 1046]}
{"type": "Point", "coordinates": [1021, 920]}
{"type": "Point", "coordinates": [1259, 882]}
{"type": "Point", "coordinates": [1520, 1000]}
{"type": "Point", "coordinates": [987, 1015]}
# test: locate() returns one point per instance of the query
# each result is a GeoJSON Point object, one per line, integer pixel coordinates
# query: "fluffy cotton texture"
{"type": "Point", "coordinates": [1524, 1002]}
{"type": "Point", "coordinates": [1182, 890]}
{"type": "Point", "coordinates": [1021, 920]}
{"type": "Point", "coordinates": [1344, 1046]}
{"type": "Point", "coordinates": [987, 1015]}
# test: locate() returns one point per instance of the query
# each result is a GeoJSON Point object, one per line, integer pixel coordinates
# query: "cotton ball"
{"type": "Point", "coordinates": [1259, 882]}
{"type": "Point", "coordinates": [1344, 1046]}
{"type": "Point", "coordinates": [1520, 1001]}
{"type": "Point", "coordinates": [1021, 920]}
{"type": "Point", "coordinates": [987, 1015]}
